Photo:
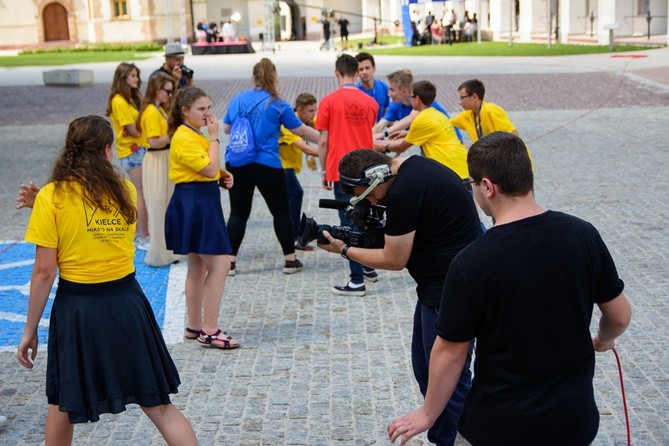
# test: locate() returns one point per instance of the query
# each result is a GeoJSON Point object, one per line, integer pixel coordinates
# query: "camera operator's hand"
{"type": "Point", "coordinates": [336, 246]}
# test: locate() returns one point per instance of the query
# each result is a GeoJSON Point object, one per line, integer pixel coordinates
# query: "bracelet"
{"type": "Point", "coordinates": [215, 139]}
{"type": "Point", "coordinates": [344, 252]}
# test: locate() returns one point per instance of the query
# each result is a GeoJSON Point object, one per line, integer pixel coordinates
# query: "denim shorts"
{"type": "Point", "coordinates": [134, 160]}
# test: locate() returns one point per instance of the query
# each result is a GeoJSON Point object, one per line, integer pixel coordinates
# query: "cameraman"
{"type": "Point", "coordinates": [174, 65]}
{"type": "Point", "coordinates": [430, 218]}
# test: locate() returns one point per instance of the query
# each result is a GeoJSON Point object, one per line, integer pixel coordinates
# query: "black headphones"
{"type": "Point", "coordinates": [379, 172]}
{"type": "Point", "coordinates": [373, 176]}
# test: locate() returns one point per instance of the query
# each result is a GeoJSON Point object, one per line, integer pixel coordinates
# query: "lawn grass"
{"type": "Point", "coordinates": [70, 57]}
{"type": "Point", "coordinates": [499, 49]}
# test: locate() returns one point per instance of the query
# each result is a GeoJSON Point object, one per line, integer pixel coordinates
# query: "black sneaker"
{"type": "Point", "coordinates": [370, 275]}
{"type": "Point", "coordinates": [292, 266]}
{"type": "Point", "coordinates": [348, 290]}
{"type": "Point", "coordinates": [233, 269]}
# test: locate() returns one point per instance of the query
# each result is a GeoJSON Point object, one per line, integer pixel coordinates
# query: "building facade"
{"type": "Point", "coordinates": [29, 23]}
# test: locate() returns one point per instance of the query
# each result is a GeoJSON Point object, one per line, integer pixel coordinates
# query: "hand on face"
{"type": "Point", "coordinates": [212, 126]}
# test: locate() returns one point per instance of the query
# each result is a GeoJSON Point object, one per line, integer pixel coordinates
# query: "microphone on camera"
{"type": "Point", "coordinates": [333, 204]}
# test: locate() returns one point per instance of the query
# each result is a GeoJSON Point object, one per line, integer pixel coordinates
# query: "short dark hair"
{"type": "Point", "coordinates": [354, 164]}
{"type": "Point", "coordinates": [346, 65]}
{"type": "Point", "coordinates": [473, 86]}
{"type": "Point", "coordinates": [503, 158]}
{"type": "Point", "coordinates": [425, 90]}
{"type": "Point", "coordinates": [365, 56]}
{"type": "Point", "coordinates": [305, 99]}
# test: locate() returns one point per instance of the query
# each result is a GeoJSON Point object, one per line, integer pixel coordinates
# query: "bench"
{"type": "Point", "coordinates": [69, 78]}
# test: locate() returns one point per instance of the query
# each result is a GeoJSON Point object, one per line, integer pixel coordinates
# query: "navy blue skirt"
{"type": "Point", "coordinates": [194, 220]}
{"type": "Point", "coordinates": [106, 350]}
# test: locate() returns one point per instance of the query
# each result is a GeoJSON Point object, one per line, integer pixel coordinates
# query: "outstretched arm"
{"type": "Point", "coordinates": [308, 133]}
{"type": "Point", "coordinates": [27, 194]}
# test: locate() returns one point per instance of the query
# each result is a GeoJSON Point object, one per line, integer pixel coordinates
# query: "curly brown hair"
{"type": "Point", "coordinates": [83, 161]}
{"type": "Point", "coordinates": [120, 86]}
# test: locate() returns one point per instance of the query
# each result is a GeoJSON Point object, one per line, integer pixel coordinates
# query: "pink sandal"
{"type": "Point", "coordinates": [192, 333]}
{"type": "Point", "coordinates": [219, 339]}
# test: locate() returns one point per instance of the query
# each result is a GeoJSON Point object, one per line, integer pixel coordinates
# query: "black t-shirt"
{"type": "Point", "coordinates": [430, 199]}
{"type": "Point", "coordinates": [182, 81]}
{"type": "Point", "coordinates": [343, 27]}
{"type": "Point", "coordinates": [525, 290]}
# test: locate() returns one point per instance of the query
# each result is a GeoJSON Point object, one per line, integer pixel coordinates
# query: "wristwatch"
{"type": "Point", "coordinates": [345, 251]}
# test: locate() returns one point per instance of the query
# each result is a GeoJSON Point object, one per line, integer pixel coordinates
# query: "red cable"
{"type": "Point", "coordinates": [622, 388]}
{"type": "Point", "coordinates": [587, 112]}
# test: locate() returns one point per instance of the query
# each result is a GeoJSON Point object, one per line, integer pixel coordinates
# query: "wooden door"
{"type": "Point", "coordinates": [55, 22]}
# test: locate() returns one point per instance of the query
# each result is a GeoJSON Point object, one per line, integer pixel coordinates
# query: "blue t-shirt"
{"type": "Point", "coordinates": [266, 118]}
{"type": "Point", "coordinates": [380, 94]}
{"type": "Point", "coordinates": [397, 111]}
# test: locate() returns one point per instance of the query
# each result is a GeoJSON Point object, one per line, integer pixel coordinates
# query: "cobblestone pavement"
{"type": "Point", "coordinates": [319, 369]}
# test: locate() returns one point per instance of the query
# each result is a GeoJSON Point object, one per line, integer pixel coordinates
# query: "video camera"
{"type": "Point", "coordinates": [370, 218]}
{"type": "Point", "coordinates": [187, 72]}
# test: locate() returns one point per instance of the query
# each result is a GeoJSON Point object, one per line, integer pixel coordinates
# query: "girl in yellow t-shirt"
{"type": "Point", "coordinates": [123, 110]}
{"type": "Point", "coordinates": [194, 222]}
{"type": "Point", "coordinates": [158, 188]}
{"type": "Point", "coordinates": [101, 324]}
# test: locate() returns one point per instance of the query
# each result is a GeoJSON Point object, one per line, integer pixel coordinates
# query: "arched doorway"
{"type": "Point", "coordinates": [297, 23]}
{"type": "Point", "coordinates": [55, 22]}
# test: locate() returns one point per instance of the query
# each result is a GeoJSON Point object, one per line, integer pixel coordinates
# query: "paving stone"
{"type": "Point", "coordinates": [320, 369]}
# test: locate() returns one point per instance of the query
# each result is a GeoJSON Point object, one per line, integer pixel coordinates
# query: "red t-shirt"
{"type": "Point", "coordinates": [348, 115]}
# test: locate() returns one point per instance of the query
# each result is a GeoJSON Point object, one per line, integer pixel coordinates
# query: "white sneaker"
{"type": "Point", "coordinates": [3, 421]}
{"type": "Point", "coordinates": [142, 243]}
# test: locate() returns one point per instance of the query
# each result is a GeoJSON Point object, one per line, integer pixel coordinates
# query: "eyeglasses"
{"type": "Point", "coordinates": [465, 97]}
{"type": "Point", "coordinates": [470, 181]}
{"type": "Point", "coordinates": [169, 92]}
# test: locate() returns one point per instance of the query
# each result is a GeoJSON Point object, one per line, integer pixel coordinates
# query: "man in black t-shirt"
{"type": "Point", "coordinates": [430, 218]}
{"type": "Point", "coordinates": [525, 290]}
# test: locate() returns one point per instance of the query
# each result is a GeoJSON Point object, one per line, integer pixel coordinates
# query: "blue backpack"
{"type": "Point", "coordinates": [242, 149]}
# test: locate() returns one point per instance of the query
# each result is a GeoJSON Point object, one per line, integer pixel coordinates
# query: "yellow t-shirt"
{"type": "Point", "coordinates": [290, 154]}
{"type": "Point", "coordinates": [93, 246]}
{"type": "Point", "coordinates": [153, 123]}
{"type": "Point", "coordinates": [432, 131]}
{"type": "Point", "coordinates": [123, 113]}
{"type": "Point", "coordinates": [189, 154]}
{"type": "Point", "coordinates": [493, 119]}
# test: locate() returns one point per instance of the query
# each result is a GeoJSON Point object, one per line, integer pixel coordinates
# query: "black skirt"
{"type": "Point", "coordinates": [106, 350]}
{"type": "Point", "coordinates": [194, 221]}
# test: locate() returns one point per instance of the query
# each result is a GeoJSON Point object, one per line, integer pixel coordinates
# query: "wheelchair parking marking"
{"type": "Point", "coordinates": [163, 288]}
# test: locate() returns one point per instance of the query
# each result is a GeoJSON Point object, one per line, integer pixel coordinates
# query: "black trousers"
{"type": "Point", "coordinates": [272, 186]}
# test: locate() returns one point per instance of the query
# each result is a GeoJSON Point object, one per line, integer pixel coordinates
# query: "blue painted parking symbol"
{"type": "Point", "coordinates": [16, 265]}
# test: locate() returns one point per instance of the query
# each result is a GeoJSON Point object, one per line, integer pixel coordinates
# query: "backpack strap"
{"type": "Point", "coordinates": [248, 113]}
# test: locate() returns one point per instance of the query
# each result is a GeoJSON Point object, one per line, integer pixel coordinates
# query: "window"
{"type": "Point", "coordinates": [120, 9]}
{"type": "Point", "coordinates": [643, 6]}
